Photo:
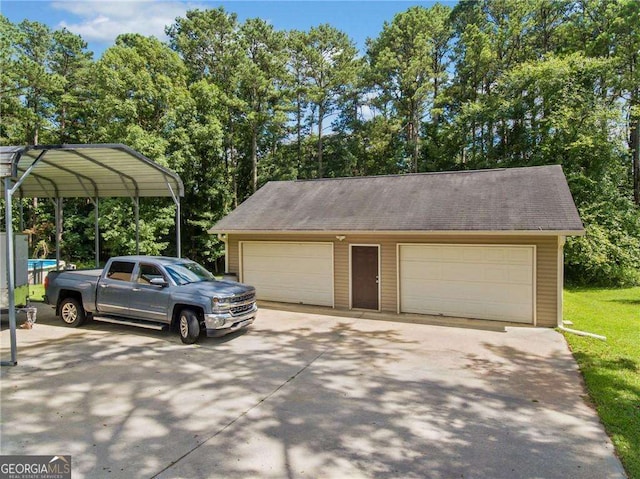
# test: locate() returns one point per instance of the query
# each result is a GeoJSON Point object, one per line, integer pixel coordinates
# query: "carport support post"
{"type": "Point", "coordinates": [176, 201]}
{"type": "Point", "coordinates": [10, 269]}
{"type": "Point", "coordinates": [178, 232]}
{"type": "Point", "coordinates": [136, 207]}
{"type": "Point", "coordinates": [96, 212]}
{"type": "Point", "coordinates": [58, 219]}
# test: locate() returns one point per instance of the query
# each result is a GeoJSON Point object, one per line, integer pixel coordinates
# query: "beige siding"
{"type": "Point", "coordinates": [546, 263]}
{"type": "Point", "coordinates": [341, 271]}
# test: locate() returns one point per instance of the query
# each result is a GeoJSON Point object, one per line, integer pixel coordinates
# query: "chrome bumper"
{"type": "Point", "coordinates": [219, 324]}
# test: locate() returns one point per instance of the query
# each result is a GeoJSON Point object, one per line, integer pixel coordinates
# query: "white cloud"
{"type": "Point", "coordinates": [103, 21]}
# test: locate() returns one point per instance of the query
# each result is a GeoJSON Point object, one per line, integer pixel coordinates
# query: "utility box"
{"type": "Point", "coordinates": [21, 268]}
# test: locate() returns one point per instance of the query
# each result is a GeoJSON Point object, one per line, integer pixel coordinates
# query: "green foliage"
{"type": "Point", "coordinates": [119, 233]}
{"type": "Point", "coordinates": [329, 65]}
{"type": "Point", "coordinates": [408, 66]}
{"type": "Point", "coordinates": [609, 253]}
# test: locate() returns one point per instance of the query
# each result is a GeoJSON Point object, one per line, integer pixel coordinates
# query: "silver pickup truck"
{"type": "Point", "coordinates": [153, 292]}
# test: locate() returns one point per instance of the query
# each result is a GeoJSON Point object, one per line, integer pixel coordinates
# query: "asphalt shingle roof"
{"type": "Point", "coordinates": [513, 199]}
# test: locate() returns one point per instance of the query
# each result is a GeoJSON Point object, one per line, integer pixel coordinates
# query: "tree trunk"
{"type": "Point", "coordinates": [299, 133]}
{"type": "Point", "coordinates": [254, 159]}
{"type": "Point", "coordinates": [416, 148]}
{"type": "Point", "coordinates": [234, 166]}
{"type": "Point", "coordinates": [320, 118]}
{"type": "Point", "coordinates": [634, 143]}
{"type": "Point", "coordinates": [63, 125]}
{"type": "Point", "coordinates": [413, 135]}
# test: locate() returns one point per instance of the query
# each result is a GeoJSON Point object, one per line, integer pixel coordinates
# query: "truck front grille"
{"type": "Point", "coordinates": [242, 304]}
{"type": "Point", "coordinates": [244, 298]}
{"type": "Point", "coordinates": [237, 310]}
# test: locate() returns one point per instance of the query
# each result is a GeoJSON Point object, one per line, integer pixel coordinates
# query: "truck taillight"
{"type": "Point", "coordinates": [46, 282]}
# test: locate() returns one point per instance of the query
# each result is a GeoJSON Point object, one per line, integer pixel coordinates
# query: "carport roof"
{"type": "Point", "coordinates": [91, 170]}
{"type": "Point", "coordinates": [533, 200]}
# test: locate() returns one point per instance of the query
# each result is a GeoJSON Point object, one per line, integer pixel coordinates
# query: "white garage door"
{"type": "Point", "coordinates": [484, 282]}
{"type": "Point", "coordinates": [290, 272]}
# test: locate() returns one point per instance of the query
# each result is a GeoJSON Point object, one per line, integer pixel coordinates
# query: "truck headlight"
{"type": "Point", "coordinates": [218, 304]}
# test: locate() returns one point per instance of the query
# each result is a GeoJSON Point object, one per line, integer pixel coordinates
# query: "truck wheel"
{"type": "Point", "coordinates": [188, 326]}
{"type": "Point", "coordinates": [72, 312]}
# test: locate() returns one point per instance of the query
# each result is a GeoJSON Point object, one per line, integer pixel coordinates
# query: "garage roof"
{"type": "Point", "coordinates": [533, 199]}
{"type": "Point", "coordinates": [94, 170]}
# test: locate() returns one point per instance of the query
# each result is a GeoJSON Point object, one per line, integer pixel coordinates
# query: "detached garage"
{"type": "Point", "coordinates": [484, 244]}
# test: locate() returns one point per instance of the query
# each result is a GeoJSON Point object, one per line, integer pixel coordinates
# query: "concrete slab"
{"type": "Point", "coordinates": [302, 394]}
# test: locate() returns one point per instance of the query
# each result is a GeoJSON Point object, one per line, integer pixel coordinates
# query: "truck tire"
{"type": "Point", "coordinates": [188, 326]}
{"type": "Point", "coordinates": [72, 312]}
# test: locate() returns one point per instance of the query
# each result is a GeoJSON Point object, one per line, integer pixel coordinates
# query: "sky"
{"type": "Point", "coordinates": [99, 22]}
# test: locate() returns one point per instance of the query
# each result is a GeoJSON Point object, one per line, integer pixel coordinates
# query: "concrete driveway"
{"type": "Point", "coordinates": [302, 394]}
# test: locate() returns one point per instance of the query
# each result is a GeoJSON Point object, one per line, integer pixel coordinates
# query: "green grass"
{"type": "Point", "coordinates": [611, 368]}
{"type": "Point", "coordinates": [36, 292]}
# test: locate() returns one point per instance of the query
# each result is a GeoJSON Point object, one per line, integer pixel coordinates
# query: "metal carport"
{"type": "Point", "coordinates": [79, 171]}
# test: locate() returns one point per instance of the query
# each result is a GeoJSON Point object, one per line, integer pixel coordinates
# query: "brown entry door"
{"type": "Point", "coordinates": [364, 277]}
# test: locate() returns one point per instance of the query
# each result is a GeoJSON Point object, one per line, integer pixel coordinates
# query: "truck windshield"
{"type": "Point", "coordinates": [188, 272]}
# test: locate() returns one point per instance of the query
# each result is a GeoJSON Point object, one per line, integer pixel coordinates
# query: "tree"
{"type": "Point", "coordinates": [330, 61]}
{"type": "Point", "coordinates": [626, 51]}
{"type": "Point", "coordinates": [10, 85]}
{"type": "Point", "coordinates": [262, 80]}
{"type": "Point", "coordinates": [32, 82]}
{"type": "Point", "coordinates": [138, 83]}
{"type": "Point", "coordinates": [297, 86]}
{"type": "Point", "coordinates": [407, 64]}
{"type": "Point", "coordinates": [71, 62]}
{"type": "Point", "coordinates": [229, 105]}
{"type": "Point", "coordinates": [208, 42]}
{"type": "Point", "coordinates": [195, 153]}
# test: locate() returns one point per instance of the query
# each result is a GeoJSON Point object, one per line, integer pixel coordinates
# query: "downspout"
{"type": "Point", "coordinates": [582, 333]}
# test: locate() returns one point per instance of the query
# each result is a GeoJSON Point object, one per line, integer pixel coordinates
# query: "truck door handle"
{"type": "Point", "coordinates": [136, 289]}
{"type": "Point", "coordinates": [104, 285]}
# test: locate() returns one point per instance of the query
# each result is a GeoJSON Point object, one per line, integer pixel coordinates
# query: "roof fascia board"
{"type": "Point", "coordinates": [403, 232]}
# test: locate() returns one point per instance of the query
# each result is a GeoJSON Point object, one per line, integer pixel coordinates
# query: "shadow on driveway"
{"type": "Point", "coordinates": [303, 395]}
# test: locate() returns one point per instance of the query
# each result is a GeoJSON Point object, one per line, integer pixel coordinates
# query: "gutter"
{"type": "Point", "coordinates": [215, 230]}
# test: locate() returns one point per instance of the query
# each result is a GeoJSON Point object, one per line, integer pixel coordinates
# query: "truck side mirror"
{"type": "Point", "coordinates": [158, 282]}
